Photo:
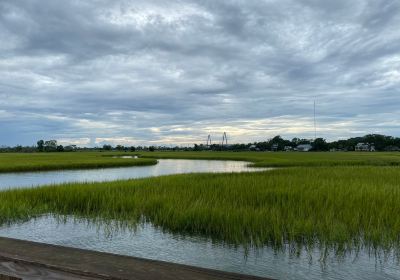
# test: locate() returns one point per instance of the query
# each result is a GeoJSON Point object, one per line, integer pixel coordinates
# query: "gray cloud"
{"type": "Point", "coordinates": [136, 72]}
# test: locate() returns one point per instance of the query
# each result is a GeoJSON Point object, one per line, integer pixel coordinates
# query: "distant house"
{"type": "Point", "coordinates": [392, 148]}
{"type": "Point", "coordinates": [274, 147]}
{"type": "Point", "coordinates": [254, 148]}
{"type": "Point", "coordinates": [336, 150]}
{"type": "Point", "coordinates": [288, 148]}
{"type": "Point", "coordinates": [364, 147]}
{"type": "Point", "coordinates": [70, 148]}
{"type": "Point", "coordinates": [304, 147]}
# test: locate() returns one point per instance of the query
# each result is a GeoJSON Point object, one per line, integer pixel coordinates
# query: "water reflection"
{"type": "Point", "coordinates": [164, 167]}
{"type": "Point", "coordinates": [125, 157]}
{"type": "Point", "coordinates": [149, 242]}
{"type": "Point", "coordinates": [152, 243]}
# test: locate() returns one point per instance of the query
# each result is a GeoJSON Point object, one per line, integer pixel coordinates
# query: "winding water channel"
{"type": "Point", "coordinates": [163, 167]}
{"type": "Point", "coordinates": [153, 243]}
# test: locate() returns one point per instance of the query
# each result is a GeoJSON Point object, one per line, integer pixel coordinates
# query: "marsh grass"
{"type": "Point", "coordinates": [20, 162]}
{"type": "Point", "coordinates": [290, 159]}
{"type": "Point", "coordinates": [339, 209]}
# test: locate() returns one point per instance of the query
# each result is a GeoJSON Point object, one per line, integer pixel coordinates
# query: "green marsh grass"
{"type": "Point", "coordinates": [290, 159]}
{"type": "Point", "coordinates": [19, 162]}
{"type": "Point", "coordinates": [339, 208]}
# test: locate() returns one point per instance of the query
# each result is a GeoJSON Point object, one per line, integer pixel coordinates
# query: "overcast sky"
{"type": "Point", "coordinates": [172, 72]}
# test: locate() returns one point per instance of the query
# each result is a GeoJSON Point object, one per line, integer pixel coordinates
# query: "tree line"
{"type": "Point", "coordinates": [277, 143]}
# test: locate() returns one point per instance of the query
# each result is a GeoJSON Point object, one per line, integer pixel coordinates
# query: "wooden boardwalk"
{"type": "Point", "coordinates": [29, 260]}
{"type": "Point", "coordinates": [11, 270]}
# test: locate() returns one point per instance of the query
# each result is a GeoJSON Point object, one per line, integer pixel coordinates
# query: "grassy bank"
{"type": "Point", "coordinates": [15, 162]}
{"type": "Point", "coordinates": [290, 159]}
{"type": "Point", "coordinates": [337, 207]}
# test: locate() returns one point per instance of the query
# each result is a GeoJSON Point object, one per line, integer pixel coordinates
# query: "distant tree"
{"type": "Point", "coordinates": [50, 145]}
{"type": "Point", "coordinates": [69, 148]}
{"type": "Point", "coordinates": [295, 141]}
{"type": "Point", "coordinates": [60, 148]}
{"type": "Point", "coordinates": [320, 144]}
{"type": "Point", "coordinates": [379, 141]}
{"type": "Point", "coordinates": [303, 141]}
{"type": "Point", "coordinates": [40, 145]}
{"type": "Point", "coordinates": [119, 148]}
{"type": "Point", "coordinates": [132, 149]}
{"type": "Point", "coordinates": [107, 147]}
{"type": "Point", "coordinates": [278, 142]}
{"type": "Point", "coordinates": [152, 148]}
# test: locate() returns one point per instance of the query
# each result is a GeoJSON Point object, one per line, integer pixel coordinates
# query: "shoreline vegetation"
{"type": "Point", "coordinates": [338, 208]}
{"type": "Point", "coordinates": [30, 162]}
{"type": "Point", "coordinates": [288, 159]}
{"type": "Point", "coordinates": [26, 162]}
{"type": "Point", "coordinates": [333, 201]}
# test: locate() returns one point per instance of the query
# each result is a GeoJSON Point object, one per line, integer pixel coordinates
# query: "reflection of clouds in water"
{"type": "Point", "coordinates": [125, 156]}
{"type": "Point", "coordinates": [149, 242]}
{"type": "Point", "coordinates": [164, 167]}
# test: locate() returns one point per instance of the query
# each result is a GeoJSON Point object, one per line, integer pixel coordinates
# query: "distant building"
{"type": "Point", "coordinates": [274, 147]}
{"type": "Point", "coordinates": [70, 148]}
{"type": "Point", "coordinates": [372, 148]}
{"type": "Point", "coordinates": [364, 147]}
{"type": "Point", "coordinates": [336, 150]}
{"type": "Point", "coordinates": [392, 148]}
{"type": "Point", "coordinates": [304, 147]}
{"type": "Point", "coordinates": [288, 148]}
{"type": "Point", "coordinates": [254, 148]}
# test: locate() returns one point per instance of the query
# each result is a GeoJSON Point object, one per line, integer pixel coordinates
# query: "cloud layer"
{"type": "Point", "coordinates": [172, 72]}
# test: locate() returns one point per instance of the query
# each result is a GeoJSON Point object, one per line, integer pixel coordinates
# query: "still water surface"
{"type": "Point", "coordinates": [152, 243]}
{"type": "Point", "coordinates": [164, 167]}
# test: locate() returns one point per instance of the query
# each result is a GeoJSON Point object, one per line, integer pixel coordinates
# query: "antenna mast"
{"type": "Point", "coordinates": [315, 124]}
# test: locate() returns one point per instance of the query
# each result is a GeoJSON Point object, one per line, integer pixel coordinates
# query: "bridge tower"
{"type": "Point", "coordinates": [224, 140]}
{"type": "Point", "coordinates": [208, 141]}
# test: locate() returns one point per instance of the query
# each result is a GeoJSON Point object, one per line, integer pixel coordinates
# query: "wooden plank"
{"type": "Point", "coordinates": [8, 277]}
{"type": "Point", "coordinates": [10, 270]}
{"type": "Point", "coordinates": [97, 265]}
